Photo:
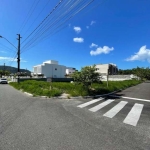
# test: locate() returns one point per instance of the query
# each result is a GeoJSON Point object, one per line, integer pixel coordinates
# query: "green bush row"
{"type": "Point", "coordinates": [43, 88]}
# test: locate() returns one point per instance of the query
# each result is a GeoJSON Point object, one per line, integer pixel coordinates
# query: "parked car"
{"type": "Point", "coordinates": [3, 80]}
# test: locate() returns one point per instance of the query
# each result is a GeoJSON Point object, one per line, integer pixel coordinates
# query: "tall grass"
{"type": "Point", "coordinates": [42, 88]}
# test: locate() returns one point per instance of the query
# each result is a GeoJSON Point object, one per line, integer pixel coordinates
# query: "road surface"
{"type": "Point", "coordinates": [106, 123]}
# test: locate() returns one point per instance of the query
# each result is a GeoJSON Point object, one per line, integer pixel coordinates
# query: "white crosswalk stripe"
{"type": "Point", "coordinates": [90, 102]}
{"type": "Point", "coordinates": [132, 118]}
{"type": "Point", "coordinates": [100, 106]}
{"type": "Point", "coordinates": [134, 115]}
{"type": "Point", "coordinates": [112, 112]}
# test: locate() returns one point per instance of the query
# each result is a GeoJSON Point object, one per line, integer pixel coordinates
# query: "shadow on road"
{"type": "Point", "coordinates": [116, 96]}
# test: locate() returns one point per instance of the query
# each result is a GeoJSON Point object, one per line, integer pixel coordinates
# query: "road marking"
{"type": "Point", "coordinates": [134, 115]}
{"type": "Point", "coordinates": [90, 102]}
{"type": "Point", "coordinates": [112, 112]}
{"type": "Point", "coordinates": [137, 99]}
{"type": "Point", "coordinates": [98, 107]}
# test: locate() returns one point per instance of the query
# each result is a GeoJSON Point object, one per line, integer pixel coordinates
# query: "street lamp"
{"type": "Point", "coordinates": [8, 41]}
{"type": "Point", "coordinates": [17, 52]}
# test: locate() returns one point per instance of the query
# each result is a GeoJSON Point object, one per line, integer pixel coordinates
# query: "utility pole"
{"type": "Point", "coordinates": [4, 69]}
{"type": "Point", "coordinates": [18, 56]}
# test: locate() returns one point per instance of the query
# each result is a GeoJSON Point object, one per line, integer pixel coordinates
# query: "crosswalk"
{"type": "Point", "coordinates": [132, 117]}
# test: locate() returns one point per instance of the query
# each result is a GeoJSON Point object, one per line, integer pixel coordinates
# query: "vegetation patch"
{"type": "Point", "coordinates": [42, 88]}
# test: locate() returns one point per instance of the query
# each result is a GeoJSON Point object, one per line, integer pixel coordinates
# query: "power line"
{"type": "Point", "coordinates": [30, 12]}
{"type": "Point", "coordinates": [37, 17]}
{"type": "Point", "coordinates": [54, 30]}
{"type": "Point", "coordinates": [71, 9]}
{"type": "Point", "coordinates": [95, 6]}
{"type": "Point", "coordinates": [7, 48]}
{"type": "Point", "coordinates": [47, 23]}
{"type": "Point", "coordinates": [43, 21]}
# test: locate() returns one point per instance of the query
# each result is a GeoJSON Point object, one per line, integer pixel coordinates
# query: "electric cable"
{"type": "Point", "coordinates": [37, 17]}
{"type": "Point", "coordinates": [30, 12]}
{"type": "Point", "coordinates": [69, 15]}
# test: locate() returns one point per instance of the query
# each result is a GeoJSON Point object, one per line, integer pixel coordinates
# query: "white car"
{"type": "Point", "coordinates": [3, 80]}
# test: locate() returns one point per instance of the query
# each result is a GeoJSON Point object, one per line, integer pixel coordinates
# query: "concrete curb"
{"type": "Point", "coordinates": [78, 97]}
{"type": "Point", "coordinates": [28, 94]}
{"type": "Point", "coordinates": [85, 97]}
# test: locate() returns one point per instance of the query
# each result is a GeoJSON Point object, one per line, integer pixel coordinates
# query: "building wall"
{"type": "Point", "coordinates": [119, 77]}
{"type": "Point", "coordinates": [105, 69]}
{"type": "Point", "coordinates": [50, 70]}
{"type": "Point", "coordinates": [37, 69]}
{"type": "Point", "coordinates": [70, 70]}
{"type": "Point", "coordinates": [51, 62]}
{"type": "Point", "coordinates": [102, 69]}
{"type": "Point", "coordinates": [53, 70]}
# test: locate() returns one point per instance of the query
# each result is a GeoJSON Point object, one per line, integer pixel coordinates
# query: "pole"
{"type": "Point", "coordinates": [107, 76]}
{"type": "Point", "coordinates": [18, 56]}
{"type": "Point", "coordinates": [4, 69]}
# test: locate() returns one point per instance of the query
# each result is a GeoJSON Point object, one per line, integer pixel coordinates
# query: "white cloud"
{"type": "Point", "coordinates": [78, 40]}
{"type": "Point", "coordinates": [142, 55]}
{"type": "Point", "coordinates": [93, 45]}
{"type": "Point", "coordinates": [87, 27]}
{"type": "Point", "coordinates": [77, 29]}
{"type": "Point", "coordinates": [11, 59]}
{"type": "Point", "coordinates": [92, 22]}
{"type": "Point", "coordinates": [100, 50]}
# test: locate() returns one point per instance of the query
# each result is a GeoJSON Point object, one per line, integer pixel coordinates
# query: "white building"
{"type": "Point", "coordinates": [50, 68]}
{"type": "Point", "coordinates": [70, 70]}
{"type": "Point", "coordinates": [104, 69]}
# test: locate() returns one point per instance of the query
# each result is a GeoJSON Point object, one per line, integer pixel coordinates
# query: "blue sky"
{"type": "Point", "coordinates": [105, 31]}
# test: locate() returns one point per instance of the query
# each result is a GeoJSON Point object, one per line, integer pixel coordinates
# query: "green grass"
{"type": "Point", "coordinates": [42, 88]}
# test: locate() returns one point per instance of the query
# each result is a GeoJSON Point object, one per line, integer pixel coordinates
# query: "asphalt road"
{"type": "Point", "coordinates": [28, 123]}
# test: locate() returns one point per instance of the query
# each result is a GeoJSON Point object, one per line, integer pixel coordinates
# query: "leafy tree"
{"type": "Point", "coordinates": [87, 76]}
{"type": "Point", "coordinates": [2, 72]}
{"type": "Point", "coordinates": [143, 73]}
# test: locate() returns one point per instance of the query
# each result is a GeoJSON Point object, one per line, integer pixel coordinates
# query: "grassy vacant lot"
{"type": "Point", "coordinates": [42, 88]}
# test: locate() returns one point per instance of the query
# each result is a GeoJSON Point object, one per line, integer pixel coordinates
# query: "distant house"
{"type": "Point", "coordinates": [107, 69]}
{"type": "Point", "coordinates": [52, 69]}
{"type": "Point", "coordinates": [70, 70]}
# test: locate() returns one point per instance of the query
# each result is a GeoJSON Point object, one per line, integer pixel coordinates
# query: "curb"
{"type": "Point", "coordinates": [102, 94]}
{"type": "Point", "coordinates": [28, 94]}
{"type": "Point", "coordinates": [78, 97]}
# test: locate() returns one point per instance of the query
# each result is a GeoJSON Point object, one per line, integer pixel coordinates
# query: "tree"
{"type": "Point", "coordinates": [87, 76]}
{"type": "Point", "coordinates": [142, 73]}
{"type": "Point", "coordinates": [2, 72]}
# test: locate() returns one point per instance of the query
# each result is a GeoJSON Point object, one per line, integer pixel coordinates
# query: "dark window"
{"type": "Point", "coordinates": [55, 68]}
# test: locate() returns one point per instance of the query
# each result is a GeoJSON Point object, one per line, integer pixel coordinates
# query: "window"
{"type": "Point", "coordinates": [55, 68]}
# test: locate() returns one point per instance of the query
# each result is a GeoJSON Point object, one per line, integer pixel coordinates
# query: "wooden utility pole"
{"type": "Point", "coordinates": [107, 76]}
{"type": "Point", "coordinates": [18, 56]}
{"type": "Point", "coordinates": [4, 69]}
